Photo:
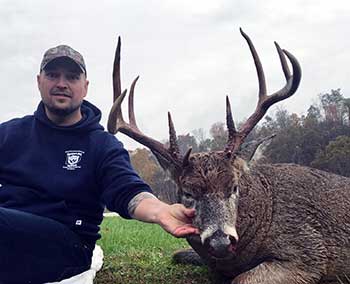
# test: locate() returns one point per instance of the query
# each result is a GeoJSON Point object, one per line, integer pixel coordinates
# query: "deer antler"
{"type": "Point", "coordinates": [236, 138]}
{"type": "Point", "coordinates": [170, 157]}
{"type": "Point", "coordinates": [116, 122]}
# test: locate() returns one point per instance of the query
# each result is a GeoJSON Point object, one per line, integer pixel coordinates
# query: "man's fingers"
{"type": "Point", "coordinates": [185, 230]}
{"type": "Point", "coordinates": [190, 212]}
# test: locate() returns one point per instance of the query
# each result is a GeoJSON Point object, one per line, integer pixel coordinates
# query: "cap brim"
{"type": "Point", "coordinates": [65, 61]}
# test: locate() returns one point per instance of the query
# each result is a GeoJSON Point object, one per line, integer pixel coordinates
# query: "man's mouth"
{"type": "Point", "coordinates": [61, 95]}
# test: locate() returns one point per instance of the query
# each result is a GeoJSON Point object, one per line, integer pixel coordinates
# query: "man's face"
{"type": "Point", "coordinates": [62, 87]}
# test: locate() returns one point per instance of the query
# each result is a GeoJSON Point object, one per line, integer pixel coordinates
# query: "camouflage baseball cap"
{"type": "Point", "coordinates": [63, 51]}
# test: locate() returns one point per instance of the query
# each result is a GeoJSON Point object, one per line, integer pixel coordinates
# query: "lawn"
{"type": "Point", "coordinates": [136, 253]}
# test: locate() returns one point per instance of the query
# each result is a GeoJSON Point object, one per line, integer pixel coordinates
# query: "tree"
{"type": "Point", "coordinates": [313, 117]}
{"type": "Point", "coordinates": [205, 145]}
{"type": "Point", "coordinates": [283, 118]}
{"type": "Point", "coordinates": [145, 164]}
{"type": "Point", "coordinates": [335, 157]}
{"type": "Point", "coordinates": [185, 142]}
{"type": "Point", "coordinates": [347, 107]}
{"type": "Point", "coordinates": [219, 134]}
{"type": "Point", "coordinates": [333, 106]}
{"type": "Point", "coordinates": [199, 134]}
{"type": "Point", "coordinates": [286, 147]}
{"type": "Point", "coordinates": [164, 187]}
{"type": "Point", "coordinates": [299, 139]}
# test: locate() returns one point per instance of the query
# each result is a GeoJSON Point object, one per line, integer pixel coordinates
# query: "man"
{"type": "Point", "coordinates": [58, 170]}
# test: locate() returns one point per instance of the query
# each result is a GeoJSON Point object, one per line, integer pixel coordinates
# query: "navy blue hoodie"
{"type": "Point", "coordinates": [69, 173]}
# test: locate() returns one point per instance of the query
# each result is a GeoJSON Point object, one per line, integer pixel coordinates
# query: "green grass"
{"type": "Point", "coordinates": [136, 253]}
{"type": "Point", "coordinates": [139, 253]}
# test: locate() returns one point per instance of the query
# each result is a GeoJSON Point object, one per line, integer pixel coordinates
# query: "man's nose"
{"type": "Point", "coordinates": [62, 82]}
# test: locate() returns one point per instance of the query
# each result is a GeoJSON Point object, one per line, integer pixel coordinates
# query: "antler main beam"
{"type": "Point", "coordinates": [236, 138]}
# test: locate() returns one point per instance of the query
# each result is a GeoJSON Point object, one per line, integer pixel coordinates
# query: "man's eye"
{"type": "Point", "coordinates": [51, 75]}
{"type": "Point", "coordinates": [73, 77]}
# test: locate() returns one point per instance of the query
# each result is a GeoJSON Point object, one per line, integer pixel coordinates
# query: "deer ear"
{"type": "Point", "coordinates": [248, 151]}
{"type": "Point", "coordinates": [169, 166]}
{"type": "Point", "coordinates": [186, 159]}
{"type": "Point", "coordinates": [165, 164]}
{"type": "Point", "coordinates": [228, 154]}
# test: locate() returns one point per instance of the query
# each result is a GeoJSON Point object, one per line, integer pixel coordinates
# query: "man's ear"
{"type": "Point", "coordinates": [38, 81]}
{"type": "Point", "coordinates": [86, 87]}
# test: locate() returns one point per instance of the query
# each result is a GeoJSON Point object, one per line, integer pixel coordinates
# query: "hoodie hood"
{"type": "Point", "coordinates": [90, 121]}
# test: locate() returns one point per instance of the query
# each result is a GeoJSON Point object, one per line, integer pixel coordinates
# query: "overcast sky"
{"type": "Point", "coordinates": [189, 54]}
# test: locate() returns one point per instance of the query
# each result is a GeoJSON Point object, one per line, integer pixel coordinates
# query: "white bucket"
{"type": "Point", "coordinates": [88, 276]}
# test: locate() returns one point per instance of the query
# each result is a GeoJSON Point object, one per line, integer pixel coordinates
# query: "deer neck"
{"type": "Point", "coordinates": [255, 213]}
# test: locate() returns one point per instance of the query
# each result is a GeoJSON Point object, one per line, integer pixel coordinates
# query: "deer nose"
{"type": "Point", "coordinates": [220, 245]}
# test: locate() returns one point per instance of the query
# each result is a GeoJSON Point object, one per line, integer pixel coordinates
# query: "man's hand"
{"type": "Point", "coordinates": [176, 219]}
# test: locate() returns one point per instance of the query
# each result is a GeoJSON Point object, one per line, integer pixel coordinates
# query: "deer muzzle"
{"type": "Point", "coordinates": [221, 245]}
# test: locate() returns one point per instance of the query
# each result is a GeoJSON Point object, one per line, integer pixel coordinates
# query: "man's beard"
{"type": "Point", "coordinates": [62, 112]}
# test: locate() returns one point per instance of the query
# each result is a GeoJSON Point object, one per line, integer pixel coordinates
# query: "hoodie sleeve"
{"type": "Point", "coordinates": [119, 181]}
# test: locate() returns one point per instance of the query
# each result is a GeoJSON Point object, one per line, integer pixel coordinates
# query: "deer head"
{"type": "Point", "coordinates": [209, 181]}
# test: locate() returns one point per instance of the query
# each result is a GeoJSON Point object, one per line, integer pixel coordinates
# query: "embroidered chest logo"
{"type": "Point", "coordinates": [73, 158]}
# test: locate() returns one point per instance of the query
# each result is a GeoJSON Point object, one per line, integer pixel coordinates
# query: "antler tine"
{"type": "Point", "coordinates": [173, 147]}
{"type": "Point", "coordinates": [116, 122]}
{"type": "Point", "coordinates": [283, 60]}
{"type": "Point", "coordinates": [229, 120]}
{"type": "Point", "coordinates": [131, 103]}
{"type": "Point", "coordinates": [265, 101]}
{"type": "Point", "coordinates": [258, 65]}
{"type": "Point", "coordinates": [296, 78]}
{"type": "Point", "coordinates": [116, 72]}
{"type": "Point", "coordinates": [115, 118]}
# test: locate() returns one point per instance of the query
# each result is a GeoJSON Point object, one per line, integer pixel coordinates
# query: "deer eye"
{"type": "Point", "coordinates": [188, 199]}
{"type": "Point", "coordinates": [188, 195]}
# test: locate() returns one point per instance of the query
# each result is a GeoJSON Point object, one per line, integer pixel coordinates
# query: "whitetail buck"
{"type": "Point", "coordinates": [268, 224]}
